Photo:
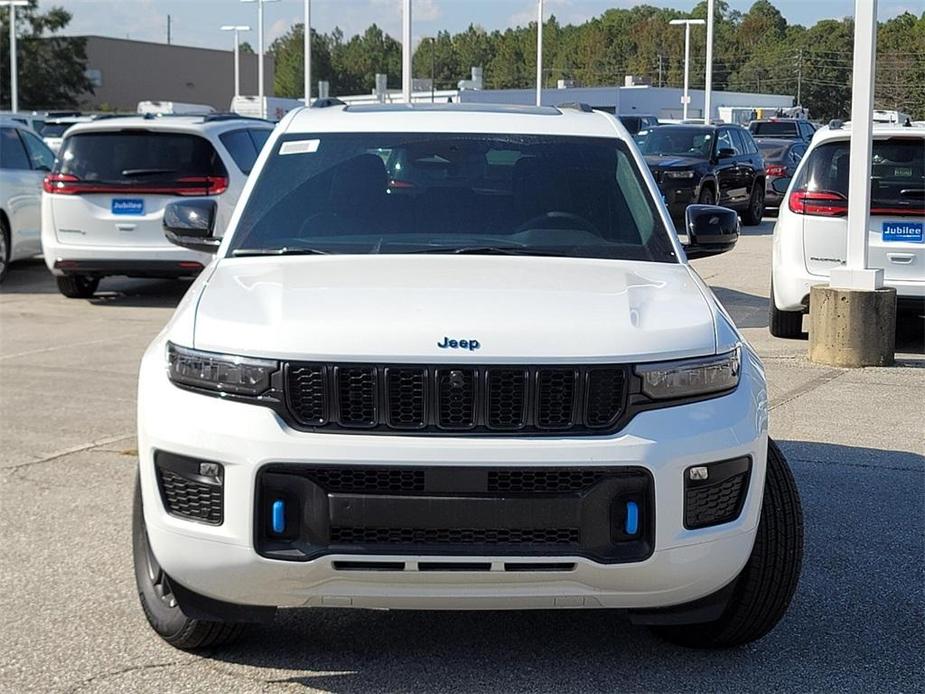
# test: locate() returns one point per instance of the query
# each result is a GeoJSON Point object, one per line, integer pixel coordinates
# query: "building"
{"type": "Point", "coordinates": [125, 72]}
{"type": "Point", "coordinates": [663, 102]}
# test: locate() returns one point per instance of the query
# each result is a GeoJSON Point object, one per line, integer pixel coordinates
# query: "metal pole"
{"type": "Point", "coordinates": [687, 58]}
{"type": "Point", "coordinates": [14, 83]}
{"type": "Point", "coordinates": [708, 86]}
{"type": "Point", "coordinates": [539, 53]}
{"type": "Point", "coordinates": [263, 104]}
{"type": "Point", "coordinates": [855, 273]}
{"type": "Point", "coordinates": [433, 67]}
{"type": "Point", "coordinates": [406, 51]}
{"type": "Point", "coordinates": [308, 52]}
{"type": "Point", "coordinates": [800, 79]}
{"type": "Point", "coordinates": [237, 65]}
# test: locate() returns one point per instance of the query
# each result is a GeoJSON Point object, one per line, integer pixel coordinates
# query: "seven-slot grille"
{"type": "Point", "coordinates": [474, 399]}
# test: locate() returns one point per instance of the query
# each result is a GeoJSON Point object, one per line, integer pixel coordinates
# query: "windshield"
{"type": "Point", "coordinates": [414, 193]}
{"type": "Point", "coordinates": [55, 129]}
{"type": "Point", "coordinates": [685, 142]}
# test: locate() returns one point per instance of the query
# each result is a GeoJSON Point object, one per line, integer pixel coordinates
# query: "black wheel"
{"type": "Point", "coordinates": [77, 286]}
{"type": "Point", "coordinates": [6, 249]}
{"type": "Point", "coordinates": [766, 585]}
{"type": "Point", "coordinates": [787, 324]}
{"type": "Point", "coordinates": [706, 196]}
{"type": "Point", "coordinates": [157, 599]}
{"type": "Point", "coordinates": [755, 211]}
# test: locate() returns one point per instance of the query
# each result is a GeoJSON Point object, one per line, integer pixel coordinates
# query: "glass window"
{"type": "Point", "coordinates": [679, 141]}
{"type": "Point", "coordinates": [138, 156]}
{"type": "Point", "coordinates": [724, 141]}
{"type": "Point", "coordinates": [260, 137]}
{"type": "Point", "coordinates": [43, 159]}
{"type": "Point", "coordinates": [774, 129]}
{"type": "Point", "coordinates": [12, 152]}
{"type": "Point", "coordinates": [738, 141]}
{"type": "Point", "coordinates": [244, 146]}
{"type": "Point", "coordinates": [897, 172]}
{"type": "Point", "coordinates": [438, 193]}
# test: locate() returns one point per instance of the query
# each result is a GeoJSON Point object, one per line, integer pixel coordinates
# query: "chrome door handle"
{"type": "Point", "coordinates": [901, 258]}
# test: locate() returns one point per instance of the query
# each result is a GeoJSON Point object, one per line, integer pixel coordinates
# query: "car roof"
{"type": "Point", "coordinates": [881, 132]}
{"type": "Point", "coordinates": [576, 120]}
{"type": "Point", "coordinates": [180, 123]}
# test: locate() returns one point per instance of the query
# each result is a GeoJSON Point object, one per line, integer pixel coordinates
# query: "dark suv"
{"type": "Point", "coordinates": [707, 164]}
{"type": "Point", "coordinates": [783, 129]}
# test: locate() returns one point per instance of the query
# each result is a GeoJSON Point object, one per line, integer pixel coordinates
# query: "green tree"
{"type": "Point", "coordinates": [288, 53]}
{"type": "Point", "coordinates": [51, 68]}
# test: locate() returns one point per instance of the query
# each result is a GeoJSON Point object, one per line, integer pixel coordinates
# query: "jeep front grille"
{"type": "Point", "coordinates": [461, 399]}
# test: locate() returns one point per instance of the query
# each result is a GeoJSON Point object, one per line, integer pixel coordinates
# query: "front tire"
{"type": "Point", "coordinates": [706, 196]}
{"type": "Point", "coordinates": [755, 211]}
{"type": "Point", "coordinates": [6, 249]}
{"type": "Point", "coordinates": [157, 599]}
{"type": "Point", "coordinates": [77, 286]}
{"type": "Point", "coordinates": [786, 324]}
{"type": "Point", "coordinates": [766, 585]}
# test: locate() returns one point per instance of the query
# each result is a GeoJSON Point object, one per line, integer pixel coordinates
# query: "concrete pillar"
{"type": "Point", "coordinates": [852, 327]}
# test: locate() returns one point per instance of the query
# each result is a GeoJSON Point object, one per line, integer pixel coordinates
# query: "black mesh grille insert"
{"type": "Point", "coordinates": [349, 480]}
{"type": "Point", "coordinates": [308, 394]}
{"type": "Point", "coordinates": [495, 400]}
{"type": "Point", "coordinates": [606, 389]}
{"type": "Point", "coordinates": [555, 398]}
{"type": "Point", "coordinates": [356, 393]}
{"type": "Point", "coordinates": [454, 536]}
{"type": "Point", "coordinates": [189, 499]}
{"type": "Point", "coordinates": [545, 481]}
{"type": "Point", "coordinates": [407, 389]}
{"type": "Point", "coordinates": [715, 504]}
{"type": "Point", "coordinates": [507, 398]}
{"type": "Point", "coordinates": [456, 403]}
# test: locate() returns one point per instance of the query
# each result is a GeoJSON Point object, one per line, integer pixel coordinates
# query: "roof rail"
{"type": "Point", "coordinates": [216, 117]}
{"type": "Point", "coordinates": [327, 102]}
{"type": "Point", "coordinates": [575, 106]}
{"type": "Point", "coordinates": [836, 124]}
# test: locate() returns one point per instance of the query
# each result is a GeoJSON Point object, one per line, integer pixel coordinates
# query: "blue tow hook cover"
{"type": "Point", "coordinates": [279, 516]}
{"type": "Point", "coordinates": [632, 518]}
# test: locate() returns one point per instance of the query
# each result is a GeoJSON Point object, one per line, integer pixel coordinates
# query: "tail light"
{"type": "Point", "coordinates": [820, 203]}
{"type": "Point", "coordinates": [776, 170]}
{"type": "Point", "coordinates": [66, 184]}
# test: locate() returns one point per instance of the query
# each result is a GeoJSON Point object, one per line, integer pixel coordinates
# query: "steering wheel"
{"type": "Point", "coordinates": [540, 220]}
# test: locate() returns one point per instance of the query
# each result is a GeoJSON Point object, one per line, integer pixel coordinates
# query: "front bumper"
{"type": "Point", "coordinates": [222, 562]}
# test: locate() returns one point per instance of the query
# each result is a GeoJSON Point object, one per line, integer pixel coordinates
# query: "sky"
{"type": "Point", "coordinates": [197, 22]}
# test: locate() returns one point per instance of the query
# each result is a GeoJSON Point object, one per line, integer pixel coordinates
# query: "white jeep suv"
{"type": "Point", "coordinates": [454, 357]}
{"type": "Point", "coordinates": [103, 204]}
{"type": "Point", "coordinates": [810, 237]}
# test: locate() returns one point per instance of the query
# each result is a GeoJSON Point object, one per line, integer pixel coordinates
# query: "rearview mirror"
{"type": "Point", "coordinates": [710, 230]}
{"type": "Point", "coordinates": [780, 185]}
{"type": "Point", "coordinates": [190, 224]}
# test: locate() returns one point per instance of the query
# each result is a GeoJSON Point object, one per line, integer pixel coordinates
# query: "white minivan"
{"type": "Point", "coordinates": [103, 204]}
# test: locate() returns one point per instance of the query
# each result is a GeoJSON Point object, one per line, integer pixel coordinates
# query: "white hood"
{"type": "Point", "coordinates": [385, 308]}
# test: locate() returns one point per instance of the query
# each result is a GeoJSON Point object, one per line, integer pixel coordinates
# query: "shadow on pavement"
{"type": "Point", "coordinates": [853, 602]}
{"type": "Point", "coordinates": [747, 310]}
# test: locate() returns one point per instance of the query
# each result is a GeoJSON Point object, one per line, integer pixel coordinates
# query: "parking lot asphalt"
{"type": "Point", "coordinates": [69, 615]}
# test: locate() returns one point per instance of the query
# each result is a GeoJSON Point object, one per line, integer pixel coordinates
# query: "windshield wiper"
{"type": "Point", "coordinates": [488, 250]}
{"type": "Point", "coordinates": [247, 252]}
{"type": "Point", "coordinates": [131, 173]}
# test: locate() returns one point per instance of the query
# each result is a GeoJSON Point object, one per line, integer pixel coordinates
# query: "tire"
{"type": "Point", "coordinates": [786, 324]}
{"type": "Point", "coordinates": [766, 585]}
{"type": "Point", "coordinates": [706, 197]}
{"type": "Point", "coordinates": [6, 249]}
{"type": "Point", "coordinates": [753, 215]}
{"type": "Point", "coordinates": [157, 600]}
{"type": "Point", "coordinates": [77, 286]}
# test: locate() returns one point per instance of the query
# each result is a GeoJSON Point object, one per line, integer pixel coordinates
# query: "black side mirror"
{"type": "Point", "coordinates": [780, 185]}
{"type": "Point", "coordinates": [710, 230]}
{"type": "Point", "coordinates": [190, 224]}
{"type": "Point", "coordinates": [725, 153]}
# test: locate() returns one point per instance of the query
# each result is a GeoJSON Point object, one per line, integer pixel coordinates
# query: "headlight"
{"type": "Point", "coordinates": [679, 174]}
{"type": "Point", "coordinates": [691, 377]}
{"type": "Point", "coordinates": [224, 373]}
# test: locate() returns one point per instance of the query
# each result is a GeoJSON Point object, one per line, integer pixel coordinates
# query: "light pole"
{"type": "Point", "coordinates": [406, 51]}
{"type": "Point", "coordinates": [708, 81]}
{"type": "Point", "coordinates": [14, 82]}
{"type": "Point", "coordinates": [539, 53]}
{"type": "Point", "coordinates": [308, 52]}
{"type": "Point", "coordinates": [687, 56]}
{"type": "Point", "coordinates": [260, 89]}
{"type": "Point", "coordinates": [236, 28]}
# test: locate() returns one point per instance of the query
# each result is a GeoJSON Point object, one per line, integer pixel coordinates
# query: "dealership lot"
{"type": "Point", "coordinates": [855, 440]}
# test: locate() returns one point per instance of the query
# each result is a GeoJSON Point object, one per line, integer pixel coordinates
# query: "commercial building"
{"type": "Point", "coordinates": [125, 72]}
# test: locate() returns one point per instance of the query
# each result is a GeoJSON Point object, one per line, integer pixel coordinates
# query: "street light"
{"type": "Point", "coordinates": [406, 51]}
{"type": "Point", "coordinates": [236, 28]}
{"type": "Point", "coordinates": [539, 53]}
{"type": "Point", "coordinates": [14, 85]}
{"type": "Point", "coordinates": [307, 41]}
{"type": "Point", "coordinates": [687, 55]}
{"type": "Point", "coordinates": [260, 90]}
{"type": "Point", "coordinates": [708, 80]}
